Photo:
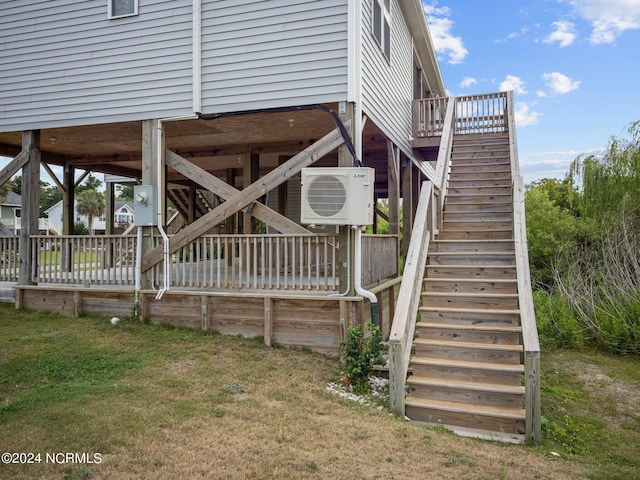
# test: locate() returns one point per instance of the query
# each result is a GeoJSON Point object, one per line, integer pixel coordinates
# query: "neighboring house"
{"type": "Point", "coordinates": [10, 213]}
{"type": "Point", "coordinates": [122, 218]}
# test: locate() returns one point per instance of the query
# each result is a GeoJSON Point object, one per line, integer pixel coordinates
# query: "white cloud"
{"type": "Point", "coordinates": [564, 34]}
{"type": "Point", "coordinates": [467, 82]}
{"type": "Point", "coordinates": [511, 82]}
{"type": "Point", "coordinates": [541, 93]}
{"type": "Point", "coordinates": [609, 18]}
{"type": "Point", "coordinates": [444, 42]}
{"type": "Point", "coordinates": [525, 116]}
{"type": "Point", "coordinates": [560, 83]}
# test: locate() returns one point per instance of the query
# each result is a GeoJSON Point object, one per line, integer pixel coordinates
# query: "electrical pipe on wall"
{"type": "Point", "coordinates": [357, 276]}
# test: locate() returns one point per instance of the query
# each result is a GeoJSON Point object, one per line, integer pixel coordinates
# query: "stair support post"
{"type": "Point", "coordinates": [404, 318]}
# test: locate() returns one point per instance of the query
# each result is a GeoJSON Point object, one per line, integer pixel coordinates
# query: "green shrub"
{"type": "Point", "coordinates": [360, 353]}
{"type": "Point", "coordinates": [558, 326]}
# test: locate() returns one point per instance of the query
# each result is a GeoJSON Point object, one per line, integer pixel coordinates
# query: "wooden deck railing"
{"type": "Point", "coordinates": [9, 259]}
{"type": "Point", "coordinates": [404, 319]}
{"type": "Point", "coordinates": [428, 116]}
{"type": "Point", "coordinates": [379, 258]}
{"type": "Point", "coordinates": [485, 113]}
{"type": "Point", "coordinates": [281, 262]}
{"type": "Point", "coordinates": [101, 260]}
{"type": "Point", "coordinates": [481, 113]}
{"type": "Point", "coordinates": [231, 262]}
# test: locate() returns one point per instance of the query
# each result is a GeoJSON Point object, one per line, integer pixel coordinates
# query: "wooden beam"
{"type": "Point", "coordinates": [242, 199]}
{"type": "Point", "coordinates": [250, 174]}
{"type": "Point", "coordinates": [393, 187]}
{"type": "Point", "coordinates": [407, 203]}
{"type": "Point", "coordinates": [30, 204]}
{"type": "Point", "coordinates": [53, 176]}
{"type": "Point", "coordinates": [226, 191]}
{"type": "Point", "coordinates": [14, 165]}
{"type": "Point", "coordinates": [150, 133]}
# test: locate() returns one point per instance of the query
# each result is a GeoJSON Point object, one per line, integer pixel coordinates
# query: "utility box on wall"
{"type": "Point", "coordinates": [145, 205]}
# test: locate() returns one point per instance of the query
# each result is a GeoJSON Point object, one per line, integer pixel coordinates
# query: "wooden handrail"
{"type": "Point", "coordinates": [444, 160]}
{"type": "Point", "coordinates": [403, 326]}
{"type": "Point", "coordinates": [530, 340]}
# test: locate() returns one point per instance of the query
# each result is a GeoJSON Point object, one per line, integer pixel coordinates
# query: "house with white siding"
{"type": "Point", "coordinates": [263, 123]}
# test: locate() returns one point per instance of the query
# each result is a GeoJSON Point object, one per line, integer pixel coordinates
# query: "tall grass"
{"type": "Point", "coordinates": [596, 294]}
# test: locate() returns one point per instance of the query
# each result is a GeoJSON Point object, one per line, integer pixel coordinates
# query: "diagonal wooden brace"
{"type": "Point", "coordinates": [241, 199]}
{"type": "Point", "coordinates": [226, 191]}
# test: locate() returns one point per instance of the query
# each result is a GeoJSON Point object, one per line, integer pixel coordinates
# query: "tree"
{"type": "Point", "coordinates": [125, 192]}
{"type": "Point", "coordinates": [49, 196]}
{"type": "Point", "coordinates": [91, 183]}
{"type": "Point", "coordinates": [91, 204]}
{"type": "Point", "coordinates": [551, 229]}
{"type": "Point", "coordinates": [5, 188]}
{"type": "Point", "coordinates": [611, 183]}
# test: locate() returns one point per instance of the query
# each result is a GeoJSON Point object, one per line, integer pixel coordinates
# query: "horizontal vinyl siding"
{"type": "Point", "coordinates": [261, 54]}
{"type": "Point", "coordinates": [65, 63]}
{"type": "Point", "coordinates": [387, 87]}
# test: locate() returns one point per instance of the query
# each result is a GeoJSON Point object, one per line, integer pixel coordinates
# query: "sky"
{"type": "Point", "coordinates": [574, 67]}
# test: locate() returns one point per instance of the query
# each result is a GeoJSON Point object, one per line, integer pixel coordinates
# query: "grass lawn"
{"type": "Point", "coordinates": [152, 402]}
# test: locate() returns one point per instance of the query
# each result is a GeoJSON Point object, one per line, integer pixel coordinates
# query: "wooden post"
{"type": "Point", "coordinates": [109, 226]}
{"type": "Point", "coordinates": [407, 204]}
{"type": "Point", "coordinates": [268, 321]}
{"type": "Point", "coordinates": [204, 308]}
{"type": "Point", "coordinates": [250, 174]}
{"type": "Point", "coordinates": [283, 191]}
{"type": "Point", "coordinates": [68, 214]}
{"type": "Point", "coordinates": [191, 212]}
{"type": "Point", "coordinates": [346, 160]}
{"type": "Point", "coordinates": [393, 194]}
{"type": "Point", "coordinates": [30, 205]}
{"type": "Point", "coordinates": [149, 177]}
{"type": "Point", "coordinates": [533, 414]}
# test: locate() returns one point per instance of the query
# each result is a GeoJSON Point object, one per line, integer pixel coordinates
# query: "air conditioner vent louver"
{"type": "Point", "coordinates": [337, 196]}
{"type": "Point", "coordinates": [327, 195]}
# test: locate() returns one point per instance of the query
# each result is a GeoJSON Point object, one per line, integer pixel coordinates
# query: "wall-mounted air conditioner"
{"type": "Point", "coordinates": [337, 196]}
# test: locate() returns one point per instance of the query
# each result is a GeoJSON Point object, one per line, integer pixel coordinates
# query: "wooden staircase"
{"type": "Point", "coordinates": [467, 370]}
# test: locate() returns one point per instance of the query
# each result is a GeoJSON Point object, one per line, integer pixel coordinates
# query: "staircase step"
{"type": "Point", "coordinates": [456, 224]}
{"type": "Point", "coordinates": [469, 188]}
{"type": "Point", "coordinates": [478, 208]}
{"type": "Point", "coordinates": [471, 271]}
{"type": "Point", "coordinates": [460, 246]}
{"type": "Point", "coordinates": [479, 183]}
{"type": "Point", "coordinates": [480, 168]}
{"type": "Point", "coordinates": [480, 149]}
{"type": "Point", "coordinates": [491, 301]}
{"type": "Point", "coordinates": [479, 176]}
{"type": "Point", "coordinates": [478, 198]}
{"type": "Point", "coordinates": [448, 368]}
{"type": "Point", "coordinates": [465, 234]}
{"type": "Point", "coordinates": [488, 215]}
{"type": "Point", "coordinates": [495, 334]}
{"type": "Point", "coordinates": [489, 352]}
{"type": "Point", "coordinates": [469, 316]}
{"type": "Point", "coordinates": [453, 390]}
{"type": "Point", "coordinates": [467, 415]}
{"type": "Point", "coordinates": [463, 285]}
{"type": "Point", "coordinates": [472, 258]}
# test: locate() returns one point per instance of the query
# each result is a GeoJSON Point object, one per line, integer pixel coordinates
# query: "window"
{"type": "Point", "coordinates": [381, 27]}
{"type": "Point", "coordinates": [122, 8]}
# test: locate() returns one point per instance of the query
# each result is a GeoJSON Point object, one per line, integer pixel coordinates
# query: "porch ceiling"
{"type": "Point", "coordinates": [214, 145]}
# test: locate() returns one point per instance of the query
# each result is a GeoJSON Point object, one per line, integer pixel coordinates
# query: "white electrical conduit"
{"type": "Point", "coordinates": [166, 271]}
{"type": "Point", "coordinates": [357, 276]}
{"type": "Point", "coordinates": [346, 292]}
